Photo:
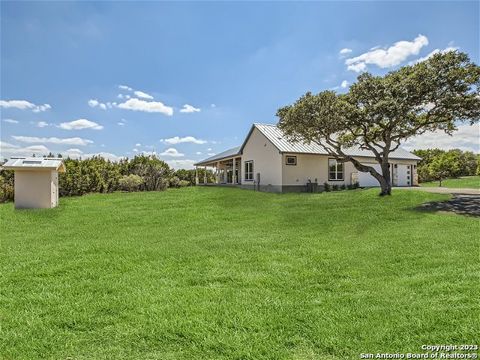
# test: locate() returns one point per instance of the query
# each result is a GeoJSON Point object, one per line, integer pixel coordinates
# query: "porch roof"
{"type": "Point", "coordinates": [221, 156]}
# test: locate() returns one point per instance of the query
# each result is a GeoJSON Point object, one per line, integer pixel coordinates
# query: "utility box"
{"type": "Point", "coordinates": [36, 181]}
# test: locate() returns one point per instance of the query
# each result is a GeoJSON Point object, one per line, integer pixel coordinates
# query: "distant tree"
{"type": "Point", "coordinates": [443, 167]}
{"type": "Point", "coordinates": [130, 182]}
{"type": "Point", "coordinates": [380, 112]}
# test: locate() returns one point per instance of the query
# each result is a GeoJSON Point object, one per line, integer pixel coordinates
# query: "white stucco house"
{"type": "Point", "coordinates": [267, 161]}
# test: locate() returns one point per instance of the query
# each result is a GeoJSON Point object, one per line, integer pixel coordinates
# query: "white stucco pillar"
{"type": "Point", "coordinates": [234, 178]}
{"type": "Point", "coordinates": [204, 174]}
{"type": "Point", "coordinates": [196, 175]}
{"type": "Point", "coordinates": [218, 172]}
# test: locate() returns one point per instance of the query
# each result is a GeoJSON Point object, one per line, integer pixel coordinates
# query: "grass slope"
{"type": "Point", "coordinates": [466, 182]}
{"type": "Point", "coordinates": [215, 273]}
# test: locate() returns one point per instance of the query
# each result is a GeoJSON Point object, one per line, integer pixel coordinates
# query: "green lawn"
{"type": "Point", "coordinates": [466, 182]}
{"type": "Point", "coordinates": [217, 273]}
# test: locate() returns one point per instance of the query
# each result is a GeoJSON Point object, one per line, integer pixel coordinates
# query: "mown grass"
{"type": "Point", "coordinates": [215, 273]}
{"type": "Point", "coordinates": [466, 182]}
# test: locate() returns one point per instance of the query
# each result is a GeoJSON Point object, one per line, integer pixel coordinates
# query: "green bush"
{"type": "Point", "coordinates": [343, 187]}
{"type": "Point", "coordinates": [335, 187]}
{"type": "Point", "coordinates": [326, 187]}
{"type": "Point", "coordinates": [130, 182]}
{"type": "Point", "coordinates": [183, 183]}
{"type": "Point", "coordinates": [6, 187]}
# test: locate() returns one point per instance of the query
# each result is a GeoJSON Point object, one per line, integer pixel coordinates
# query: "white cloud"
{"type": "Point", "coordinates": [125, 87]}
{"type": "Point", "coordinates": [209, 149]}
{"type": "Point", "coordinates": [186, 139]}
{"type": "Point", "coordinates": [94, 103]}
{"type": "Point", "coordinates": [24, 105]}
{"type": "Point", "coordinates": [42, 124]}
{"type": "Point", "coordinates": [436, 51]}
{"type": "Point", "coordinates": [171, 152]}
{"type": "Point", "coordinates": [10, 121]}
{"type": "Point", "coordinates": [211, 154]}
{"type": "Point", "coordinates": [73, 152]}
{"type": "Point", "coordinates": [213, 105]}
{"type": "Point", "coordinates": [8, 150]}
{"type": "Point", "coordinates": [344, 84]}
{"type": "Point", "coordinates": [120, 123]}
{"type": "Point", "coordinates": [181, 164]}
{"type": "Point", "coordinates": [80, 124]}
{"type": "Point", "coordinates": [53, 140]}
{"type": "Point", "coordinates": [138, 144]}
{"type": "Point", "coordinates": [147, 106]}
{"type": "Point", "coordinates": [466, 138]}
{"type": "Point", "coordinates": [345, 51]}
{"type": "Point", "coordinates": [198, 153]}
{"type": "Point", "coordinates": [189, 109]}
{"type": "Point", "coordinates": [143, 95]}
{"type": "Point", "coordinates": [135, 150]}
{"type": "Point", "coordinates": [385, 58]}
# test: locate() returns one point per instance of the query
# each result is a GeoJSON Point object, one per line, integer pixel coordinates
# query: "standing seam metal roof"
{"type": "Point", "coordinates": [279, 140]}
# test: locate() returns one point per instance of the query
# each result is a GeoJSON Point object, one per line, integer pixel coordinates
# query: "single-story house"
{"type": "Point", "coordinates": [267, 161]}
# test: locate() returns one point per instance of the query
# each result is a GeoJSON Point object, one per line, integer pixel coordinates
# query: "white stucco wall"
{"type": "Point", "coordinates": [310, 166]}
{"type": "Point", "coordinates": [266, 160]}
{"type": "Point", "coordinates": [36, 189]}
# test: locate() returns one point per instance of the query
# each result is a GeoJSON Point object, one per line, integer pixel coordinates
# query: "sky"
{"type": "Point", "coordinates": [186, 80]}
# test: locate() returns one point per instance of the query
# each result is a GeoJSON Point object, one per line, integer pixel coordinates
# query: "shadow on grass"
{"type": "Point", "coordinates": [459, 204]}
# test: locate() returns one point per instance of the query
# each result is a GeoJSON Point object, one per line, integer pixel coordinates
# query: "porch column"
{"type": "Point", "coordinates": [218, 172]}
{"type": "Point", "coordinates": [196, 175]}
{"type": "Point", "coordinates": [234, 178]}
{"type": "Point", "coordinates": [204, 174]}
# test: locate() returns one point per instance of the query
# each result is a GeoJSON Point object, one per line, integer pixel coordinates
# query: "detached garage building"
{"type": "Point", "coordinates": [268, 161]}
{"type": "Point", "coordinates": [36, 181]}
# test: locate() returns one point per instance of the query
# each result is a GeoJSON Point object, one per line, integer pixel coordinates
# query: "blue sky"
{"type": "Point", "coordinates": [113, 77]}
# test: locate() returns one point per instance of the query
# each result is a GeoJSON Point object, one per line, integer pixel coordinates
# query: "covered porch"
{"type": "Point", "coordinates": [226, 167]}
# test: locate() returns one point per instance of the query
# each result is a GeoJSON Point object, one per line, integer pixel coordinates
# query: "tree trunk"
{"type": "Point", "coordinates": [385, 181]}
{"type": "Point", "coordinates": [440, 181]}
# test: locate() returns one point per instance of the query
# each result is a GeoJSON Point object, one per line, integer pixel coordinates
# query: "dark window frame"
{"type": "Point", "coordinates": [247, 173]}
{"type": "Point", "coordinates": [336, 170]}
{"type": "Point", "coordinates": [291, 157]}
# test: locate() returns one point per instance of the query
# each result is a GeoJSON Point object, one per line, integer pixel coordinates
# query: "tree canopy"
{"type": "Point", "coordinates": [378, 113]}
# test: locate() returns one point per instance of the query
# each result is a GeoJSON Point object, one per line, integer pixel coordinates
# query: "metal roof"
{"type": "Point", "coordinates": [34, 163]}
{"type": "Point", "coordinates": [223, 155]}
{"type": "Point", "coordinates": [277, 138]}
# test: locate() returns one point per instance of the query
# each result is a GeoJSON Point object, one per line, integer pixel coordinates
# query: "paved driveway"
{"type": "Point", "coordinates": [442, 190]}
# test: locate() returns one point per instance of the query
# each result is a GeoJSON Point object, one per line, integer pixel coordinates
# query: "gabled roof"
{"type": "Point", "coordinates": [34, 163]}
{"type": "Point", "coordinates": [277, 138]}
{"type": "Point", "coordinates": [223, 155]}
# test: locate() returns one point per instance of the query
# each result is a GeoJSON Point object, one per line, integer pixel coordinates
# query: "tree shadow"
{"type": "Point", "coordinates": [459, 204]}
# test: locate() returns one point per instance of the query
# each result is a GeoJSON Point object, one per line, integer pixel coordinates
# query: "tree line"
{"type": "Point", "coordinates": [99, 175]}
{"type": "Point", "coordinates": [437, 164]}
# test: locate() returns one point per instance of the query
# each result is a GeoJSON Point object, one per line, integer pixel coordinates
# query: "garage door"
{"type": "Point", "coordinates": [367, 180]}
{"type": "Point", "coordinates": [403, 175]}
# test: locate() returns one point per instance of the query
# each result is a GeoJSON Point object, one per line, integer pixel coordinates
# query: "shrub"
{"type": "Point", "coordinates": [326, 186]}
{"type": "Point", "coordinates": [343, 187]}
{"type": "Point", "coordinates": [335, 187]}
{"type": "Point", "coordinates": [6, 188]}
{"type": "Point", "coordinates": [183, 183]}
{"type": "Point", "coordinates": [174, 182]}
{"type": "Point", "coordinates": [130, 182]}
{"type": "Point", "coordinates": [350, 186]}
{"type": "Point", "coordinates": [356, 185]}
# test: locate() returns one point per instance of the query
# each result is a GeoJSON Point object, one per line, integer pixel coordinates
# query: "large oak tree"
{"type": "Point", "coordinates": [380, 112]}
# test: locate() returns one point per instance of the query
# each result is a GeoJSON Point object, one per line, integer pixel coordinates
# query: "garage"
{"type": "Point", "coordinates": [367, 180]}
{"type": "Point", "coordinates": [401, 176]}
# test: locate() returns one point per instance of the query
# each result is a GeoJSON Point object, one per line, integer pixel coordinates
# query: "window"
{"type": "Point", "coordinates": [335, 170]}
{"type": "Point", "coordinates": [291, 160]}
{"type": "Point", "coordinates": [249, 170]}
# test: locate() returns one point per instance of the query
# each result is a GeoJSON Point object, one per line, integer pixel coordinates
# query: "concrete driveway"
{"type": "Point", "coordinates": [442, 190]}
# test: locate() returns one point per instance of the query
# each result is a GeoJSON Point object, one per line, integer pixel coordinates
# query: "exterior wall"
{"type": "Point", "coordinates": [36, 189]}
{"type": "Point", "coordinates": [266, 161]}
{"type": "Point", "coordinates": [311, 167]}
